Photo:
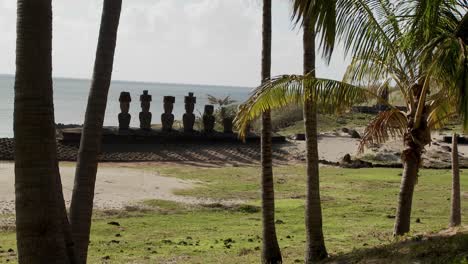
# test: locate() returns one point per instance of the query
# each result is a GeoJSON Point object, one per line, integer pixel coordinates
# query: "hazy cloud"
{"type": "Point", "coordinates": [197, 41]}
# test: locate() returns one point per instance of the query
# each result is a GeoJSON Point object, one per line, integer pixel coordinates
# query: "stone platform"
{"type": "Point", "coordinates": [112, 135]}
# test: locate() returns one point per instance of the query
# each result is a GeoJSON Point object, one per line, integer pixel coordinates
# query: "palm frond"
{"type": "Point", "coordinates": [323, 16]}
{"type": "Point", "coordinates": [329, 95]}
{"type": "Point", "coordinates": [449, 68]}
{"type": "Point", "coordinates": [442, 109]}
{"type": "Point", "coordinates": [387, 124]}
{"type": "Point", "coordinates": [367, 28]}
{"type": "Point", "coordinates": [220, 101]}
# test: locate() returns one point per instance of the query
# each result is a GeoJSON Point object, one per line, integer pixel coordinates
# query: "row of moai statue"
{"type": "Point", "coordinates": [167, 118]}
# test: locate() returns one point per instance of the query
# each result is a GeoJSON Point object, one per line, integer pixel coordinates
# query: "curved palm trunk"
{"type": "Point", "coordinates": [455, 213]}
{"type": "Point", "coordinates": [315, 247]}
{"type": "Point", "coordinates": [85, 176]}
{"type": "Point", "coordinates": [414, 141]}
{"type": "Point", "coordinates": [271, 252]}
{"type": "Point", "coordinates": [39, 211]}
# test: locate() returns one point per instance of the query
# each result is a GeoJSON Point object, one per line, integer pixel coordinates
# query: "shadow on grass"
{"type": "Point", "coordinates": [448, 246]}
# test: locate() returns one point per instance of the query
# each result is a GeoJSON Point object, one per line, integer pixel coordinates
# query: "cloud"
{"type": "Point", "coordinates": [197, 41]}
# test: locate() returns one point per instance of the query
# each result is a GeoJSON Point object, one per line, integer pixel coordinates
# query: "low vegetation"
{"type": "Point", "coordinates": [359, 208]}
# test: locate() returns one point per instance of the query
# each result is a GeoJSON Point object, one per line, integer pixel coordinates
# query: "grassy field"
{"type": "Point", "coordinates": [327, 123]}
{"type": "Point", "coordinates": [359, 207]}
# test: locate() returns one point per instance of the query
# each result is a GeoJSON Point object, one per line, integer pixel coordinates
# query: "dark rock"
{"type": "Point", "coordinates": [355, 134]}
{"type": "Point", "coordinates": [346, 159]}
{"type": "Point", "coordinates": [281, 181]}
{"type": "Point", "coordinates": [279, 222]}
{"type": "Point", "coordinates": [345, 130]}
{"type": "Point", "coordinates": [418, 220]}
{"type": "Point", "coordinates": [348, 162]}
{"type": "Point", "coordinates": [113, 223]}
{"type": "Point", "coordinates": [300, 137]}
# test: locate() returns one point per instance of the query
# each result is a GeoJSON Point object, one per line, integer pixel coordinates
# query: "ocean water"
{"type": "Point", "coordinates": [71, 95]}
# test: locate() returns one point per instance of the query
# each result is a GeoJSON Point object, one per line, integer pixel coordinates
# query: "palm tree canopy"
{"type": "Point", "coordinates": [220, 101]}
{"type": "Point", "coordinates": [323, 16]}
{"type": "Point", "coordinates": [385, 40]}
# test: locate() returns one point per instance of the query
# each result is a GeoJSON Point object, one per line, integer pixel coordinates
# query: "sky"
{"type": "Point", "coordinates": [214, 42]}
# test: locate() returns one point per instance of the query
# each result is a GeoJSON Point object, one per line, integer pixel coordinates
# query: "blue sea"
{"type": "Point", "coordinates": [71, 95]}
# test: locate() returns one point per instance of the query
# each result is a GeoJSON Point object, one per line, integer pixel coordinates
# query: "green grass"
{"type": "Point", "coordinates": [327, 123]}
{"type": "Point", "coordinates": [358, 207]}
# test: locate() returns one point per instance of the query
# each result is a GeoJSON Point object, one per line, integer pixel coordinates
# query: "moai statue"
{"type": "Point", "coordinates": [145, 114]}
{"type": "Point", "coordinates": [167, 118]}
{"type": "Point", "coordinates": [383, 99]}
{"type": "Point", "coordinates": [208, 119]}
{"type": "Point", "coordinates": [124, 116]}
{"type": "Point", "coordinates": [189, 118]}
{"type": "Point", "coordinates": [227, 121]}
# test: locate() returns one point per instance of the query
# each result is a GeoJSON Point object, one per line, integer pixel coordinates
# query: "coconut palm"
{"type": "Point", "coordinates": [315, 244]}
{"type": "Point", "coordinates": [444, 24]}
{"type": "Point", "coordinates": [384, 41]}
{"type": "Point", "coordinates": [40, 226]}
{"type": "Point", "coordinates": [314, 16]}
{"type": "Point", "coordinates": [270, 252]}
{"type": "Point", "coordinates": [85, 177]}
{"type": "Point", "coordinates": [220, 101]}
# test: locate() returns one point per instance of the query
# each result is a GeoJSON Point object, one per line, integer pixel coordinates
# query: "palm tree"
{"type": "Point", "coordinates": [444, 24]}
{"type": "Point", "coordinates": [315, 244]}
{"type": "Point", "coordinates": [39, 211]}
{"type": "Point", "coordinates": [220, 101]}
{"type": "Point", "coordinates": [388, 50]}
{"type": "Point", "coordinates": [85, 177]}
{"type": "Point", "coordinates": [270, 252]}
{"type": "Point", "coordinates": [455, 212]}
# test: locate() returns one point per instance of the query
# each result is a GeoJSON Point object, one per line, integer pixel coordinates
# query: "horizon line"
{"type": "Point", "coordinates": [143, 82]}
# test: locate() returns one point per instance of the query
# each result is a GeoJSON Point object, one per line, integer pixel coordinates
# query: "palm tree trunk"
{"type": "Point", "coordinates": [271, 253]}
{"type": "Point", "coordinates": [411, 158]}
{"type": "Point", "coordinates": [39, 222]}
{"type": "Point", "coordinates": [315, 244]}
{"type": "Point", "coordinates": [455, 213]}
{"type": "Point", "coordinates": [86, 169]}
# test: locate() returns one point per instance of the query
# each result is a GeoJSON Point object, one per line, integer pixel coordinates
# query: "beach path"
{"type": "Point", "coordinates": [116, 186]}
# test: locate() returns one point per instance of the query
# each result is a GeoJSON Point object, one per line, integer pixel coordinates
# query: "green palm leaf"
{"type": "Point", "coordinates": [329, 95]}
{"type": "Point", "coordinates": [323, 15]}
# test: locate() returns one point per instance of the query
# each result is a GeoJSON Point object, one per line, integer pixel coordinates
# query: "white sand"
{"type": "Point", "coordinates": [116, 187]}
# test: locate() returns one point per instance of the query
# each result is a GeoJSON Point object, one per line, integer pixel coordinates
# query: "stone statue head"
{"type": "Point", "coordinates": [169, 104]}
{"type": "Point", "coordinates": [145, 100]}
{"type": "Point", "coordinates": [190, 102]}
{"type": "Point", "coordinates": [209, 109]}
{"type": "Point", "coordinates": [125, 100]}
